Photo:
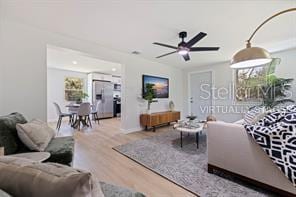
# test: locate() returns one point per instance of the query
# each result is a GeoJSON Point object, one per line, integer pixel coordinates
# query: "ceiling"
{"type": "Point", "coordinates": [71, 60]}
{"type": "Point", "coordinates": [133, 25]}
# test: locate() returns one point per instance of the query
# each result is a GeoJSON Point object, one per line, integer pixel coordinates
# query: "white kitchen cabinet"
{"type": "Point", "coordinates": [101, 77]}
{"type": "Point", "coordinates": [117, 80]}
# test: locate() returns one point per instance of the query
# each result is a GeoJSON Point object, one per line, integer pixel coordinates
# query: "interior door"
{"type": "Point", "coordinates": [201, 94]}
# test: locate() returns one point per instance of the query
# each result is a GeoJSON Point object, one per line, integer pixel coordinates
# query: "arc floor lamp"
{"type": "Point", "coordinates": [254, 56]}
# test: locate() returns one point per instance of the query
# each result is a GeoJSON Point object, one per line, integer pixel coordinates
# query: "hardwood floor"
{"type": "Point", "coordinates": [94, 153]}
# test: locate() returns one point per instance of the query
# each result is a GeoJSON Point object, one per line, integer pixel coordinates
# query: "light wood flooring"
{"type": "Point", "coordinates": [94, 153]}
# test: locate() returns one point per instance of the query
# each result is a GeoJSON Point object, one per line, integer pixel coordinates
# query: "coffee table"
{"type": "Point", "coordinates": [189, 127]}
{"type": "Point", "coordinates": [35, 156]}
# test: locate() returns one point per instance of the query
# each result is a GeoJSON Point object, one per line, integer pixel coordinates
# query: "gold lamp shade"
{"type": "Point", "coordinates": [254, 56]}
{"type": "Point", "coordinates": [250, 57]}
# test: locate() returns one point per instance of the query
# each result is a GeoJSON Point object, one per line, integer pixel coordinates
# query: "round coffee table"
{"type": "Point", "coordinates": [189, 129]}
{"type": "Point", "coordinates": [35, 156]}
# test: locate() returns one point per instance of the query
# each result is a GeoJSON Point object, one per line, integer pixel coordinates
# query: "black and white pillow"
{"type": "Point", "coordinates": [253, 115]}
{"type": "Point", "coordinates": [291, 108]}
{"type": "Point", "coordinates": [276, 116]}
{"type": "Point", "coordinates": [278, 140]}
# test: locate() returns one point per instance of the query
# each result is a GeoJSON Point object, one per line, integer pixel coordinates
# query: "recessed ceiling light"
{"type": "Point", "coordinates": [74, 62]}
{"type": "Point", "coordinates": [113, 69]}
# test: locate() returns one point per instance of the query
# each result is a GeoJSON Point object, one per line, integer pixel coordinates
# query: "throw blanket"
{"type": "Point", "coordinates": [276, 134]}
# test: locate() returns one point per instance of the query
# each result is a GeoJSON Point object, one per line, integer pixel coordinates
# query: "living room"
{"type": "Point", "coordinates": [199, 88]}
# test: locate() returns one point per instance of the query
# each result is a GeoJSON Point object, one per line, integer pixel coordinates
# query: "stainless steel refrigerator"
{"type": "Point", "coordinates": [103, 93]}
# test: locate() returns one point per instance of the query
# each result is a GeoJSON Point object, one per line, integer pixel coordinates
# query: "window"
{"type": "Point", "coordinates": [249, 80]}
{"type": "Point", "coordinates": [73, 88]}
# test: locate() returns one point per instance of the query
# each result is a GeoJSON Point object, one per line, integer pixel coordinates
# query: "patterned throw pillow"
{"type": "Point", "coordinates": [254, 115]}
{"type": "Point", "coordinates": [291, 108]}
{"type": "Point", "coordinates": [278, 140]}
{"type": "Point", "coordinates": [276, 116]}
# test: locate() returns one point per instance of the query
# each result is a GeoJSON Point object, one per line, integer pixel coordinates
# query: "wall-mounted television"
{"type": "Point", "coordinates": [160, 85]}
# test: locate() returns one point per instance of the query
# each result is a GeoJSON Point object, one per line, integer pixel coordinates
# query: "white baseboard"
{"type": "Point", "coordinates": [52, 120]}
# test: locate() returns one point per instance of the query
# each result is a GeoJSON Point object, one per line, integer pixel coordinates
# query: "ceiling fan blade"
{"type": "Point", "coordinates": [165, 45]}
{"type": "Point", "coordinates": [166, 54]}
{"type": "Point", "coordinates": [204, 48]}
{"type": "Point", "coordinates": [186, 57]}
{"type": "Point", "coordinates": [195, 39]}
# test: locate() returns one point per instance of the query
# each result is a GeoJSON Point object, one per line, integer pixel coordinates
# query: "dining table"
{"type": "Point", "coordinates": [73, 108]}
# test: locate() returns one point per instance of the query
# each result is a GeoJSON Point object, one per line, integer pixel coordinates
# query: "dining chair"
{"type": "Point", "coordinates": [95, 111]}
{"type": "Point", "coordinates": [61, 115]}
{"type": "Point", "coordinates": [83, 114]}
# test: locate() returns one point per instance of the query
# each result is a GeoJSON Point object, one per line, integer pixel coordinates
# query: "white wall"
{"type": "Point", "coordinates": [223, 77]}
{"type": "Point", "coordinates": [133, 84]}
{"type": "Point", "coordinates": [56, 89]}
{"type": "Point", "coordinates": [23, 49]}
{"type": "Point", "coordinates": [23, 68]}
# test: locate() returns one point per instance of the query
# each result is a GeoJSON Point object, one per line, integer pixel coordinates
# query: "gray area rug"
{"type": "Point", "coordinates": [187, 166]}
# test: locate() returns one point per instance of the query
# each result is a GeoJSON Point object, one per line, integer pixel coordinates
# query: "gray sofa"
{"type": "Point", "coordinates": [109, 190]}
{"type": "Point", "coordinates": [60, 148]}
{"type": "Point", "coordinates": [245, 158]}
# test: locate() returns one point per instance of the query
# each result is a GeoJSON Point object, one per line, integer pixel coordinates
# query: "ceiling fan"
{"type": "Point", "coordinates": [184, 48]}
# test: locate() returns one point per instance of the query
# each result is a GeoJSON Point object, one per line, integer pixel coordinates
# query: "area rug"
{"type": "Point", "coordinates": [187, 166]}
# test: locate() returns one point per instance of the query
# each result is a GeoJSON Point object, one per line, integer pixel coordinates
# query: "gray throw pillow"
{"type": "Point", "coordinates": [36, 134]}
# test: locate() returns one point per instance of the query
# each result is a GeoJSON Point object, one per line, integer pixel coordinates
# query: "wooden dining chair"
{"type": "Point", "coordinates": [61, 115]}
{"type": "Point", "coordinates": [83, 114]}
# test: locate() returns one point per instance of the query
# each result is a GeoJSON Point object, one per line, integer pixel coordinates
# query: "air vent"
{"type": "Point", "coordinates": [136, 52]}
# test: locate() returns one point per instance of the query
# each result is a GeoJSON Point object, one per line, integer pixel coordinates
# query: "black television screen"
{"type": "Point", "coordinates": [160, 85]}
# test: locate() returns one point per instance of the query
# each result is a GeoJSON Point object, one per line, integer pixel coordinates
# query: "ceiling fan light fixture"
{"type": "Point", "coordinates": [184, 48]}
{"type": "Point", "coordinates": [183, 51]}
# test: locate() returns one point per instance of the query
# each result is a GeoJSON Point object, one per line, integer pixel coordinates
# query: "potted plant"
{"type": "Point", "coordinates": [274, 92]}
{"type": "Point", "coordinates": [149, 96]}
{"type": "Point", "coordinates": [171, 106]}
{"type": "Point", "coordinates": [80, 96]}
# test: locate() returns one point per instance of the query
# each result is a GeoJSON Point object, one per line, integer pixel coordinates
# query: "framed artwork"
{"type": "Point", "coordinates": [160, 85]}
{"type": "Point", "coordinates": [73, 88]}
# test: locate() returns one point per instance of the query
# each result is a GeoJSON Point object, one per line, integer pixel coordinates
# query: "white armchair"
{"type": "Point", "coordinates": [231, 149]}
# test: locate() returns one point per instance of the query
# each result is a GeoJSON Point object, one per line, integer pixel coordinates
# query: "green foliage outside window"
{"type": "Point", "coordinates": [261, 84]}
{"type": "Point", "coordinates": [248, 81]}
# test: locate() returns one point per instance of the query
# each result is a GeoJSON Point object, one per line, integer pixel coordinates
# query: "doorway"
{"type": "Point", "coordinates": [200, 94]}
{"type": "Point", "coordinates": [74, 77]}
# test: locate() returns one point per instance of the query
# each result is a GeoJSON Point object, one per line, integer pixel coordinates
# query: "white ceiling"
{"type": "Point", "coordinates": [130, 25]}
{"type": "Point", "coordinates": [67, 59]}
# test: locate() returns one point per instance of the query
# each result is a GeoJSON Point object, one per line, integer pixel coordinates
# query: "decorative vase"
{"type": "Point", "coordinates": [171, 106]}
{"type": "Point", "coordinates": [148, 107]}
